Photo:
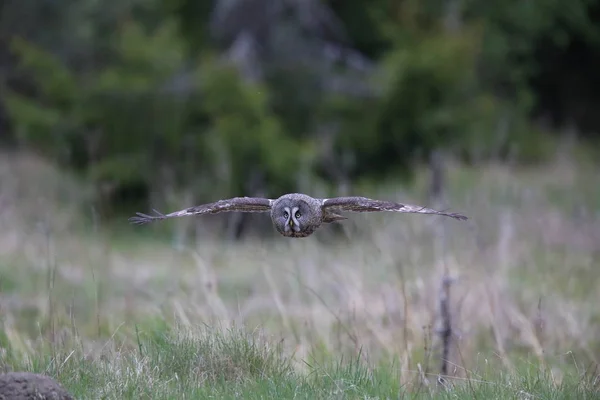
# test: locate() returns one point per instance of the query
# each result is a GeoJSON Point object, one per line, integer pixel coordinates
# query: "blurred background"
{"type": "Point", "coordinates": [224, 98]}
{"type": "Point", "coordinates": [487, 107]}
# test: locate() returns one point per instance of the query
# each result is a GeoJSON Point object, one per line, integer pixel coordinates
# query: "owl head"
{"type": "Point", "coordinates": [294, 216]}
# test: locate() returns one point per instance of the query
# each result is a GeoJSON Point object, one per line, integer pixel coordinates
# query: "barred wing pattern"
{"type": "Point", "coordinates": [364, 204]}
{"type": "Point", "coordinates": [239, 204]}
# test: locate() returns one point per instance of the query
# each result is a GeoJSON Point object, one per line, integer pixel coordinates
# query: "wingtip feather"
{"type": "Point", "coordinates": [459, 217]}
{"type": "Point", "coordinates": [142, 219]}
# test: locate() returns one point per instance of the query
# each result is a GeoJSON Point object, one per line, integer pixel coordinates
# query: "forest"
{"type": "Point", "coordinates": [226, 98]}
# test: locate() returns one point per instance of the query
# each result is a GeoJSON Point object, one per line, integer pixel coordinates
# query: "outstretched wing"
{"type": "Point", "coordinates": [240, 204]}
{"type": "Point", "coordinates": [363, 204]}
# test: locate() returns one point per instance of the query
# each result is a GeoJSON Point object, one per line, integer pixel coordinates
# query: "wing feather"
{"type": "Point", "coordinates": [364, 204]}
{"type": "Point", "coordinates": [239, 204]}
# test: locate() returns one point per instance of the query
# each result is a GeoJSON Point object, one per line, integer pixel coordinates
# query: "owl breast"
{"type": "Point", "coordinates": [303, 233]}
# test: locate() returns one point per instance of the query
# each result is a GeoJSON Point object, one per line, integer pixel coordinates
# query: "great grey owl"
{"type": "Point", "coordinates": [295, 214]}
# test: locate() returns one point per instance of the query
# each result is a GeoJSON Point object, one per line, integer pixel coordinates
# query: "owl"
{"type": "Point", "coordinates": [296, 215]}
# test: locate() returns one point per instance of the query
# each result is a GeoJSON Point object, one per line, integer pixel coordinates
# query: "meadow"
{"type": "Point", "coordinates": [119, 312]}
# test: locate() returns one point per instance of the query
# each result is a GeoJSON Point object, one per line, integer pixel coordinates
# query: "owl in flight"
{"type": "Point", "coordinates": [295, 215]}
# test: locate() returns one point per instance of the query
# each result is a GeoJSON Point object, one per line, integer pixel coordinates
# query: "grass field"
{"type": "Point", "coordinates": [121, 313]}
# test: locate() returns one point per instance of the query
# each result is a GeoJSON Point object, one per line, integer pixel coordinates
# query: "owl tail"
{"type": "Point", "coordinates": [332, 217]}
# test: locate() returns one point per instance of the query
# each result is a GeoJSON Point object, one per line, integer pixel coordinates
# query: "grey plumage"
{"type": "Point", "coordinates": [296, 214]}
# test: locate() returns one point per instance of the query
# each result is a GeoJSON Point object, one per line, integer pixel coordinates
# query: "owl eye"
{"type": "Point", "coordinates": [298, 214]}
{"type": "Point", "coordinates": [285, 214]}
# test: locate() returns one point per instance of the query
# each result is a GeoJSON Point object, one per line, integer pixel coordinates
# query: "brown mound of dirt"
{"type": "Point", "coordinates": [29, 386]}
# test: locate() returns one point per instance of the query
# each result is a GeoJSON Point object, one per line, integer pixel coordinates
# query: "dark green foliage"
{"type": "Point", "coordinates": [127, 122]}
{"type": "Point", "coordinates": [249, 134]}
{"type": "Point", "coordinates": [141, 97]}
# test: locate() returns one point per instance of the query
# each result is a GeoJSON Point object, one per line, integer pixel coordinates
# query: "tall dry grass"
{"type": "Point", "coordinates": [524, 281]}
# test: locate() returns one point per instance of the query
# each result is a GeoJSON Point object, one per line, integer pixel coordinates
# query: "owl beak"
{"type": "Point", "coordinates": [291, 223]}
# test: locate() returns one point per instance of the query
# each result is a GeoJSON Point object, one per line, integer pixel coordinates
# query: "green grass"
{"type": "Point", "coordinates": [180, 363]}
{"type": "Point", "coordinates": [120, 313]}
